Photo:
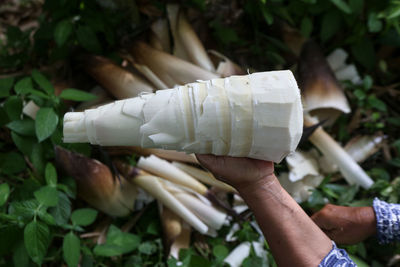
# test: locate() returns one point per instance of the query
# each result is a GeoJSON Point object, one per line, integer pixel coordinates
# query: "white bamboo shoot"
{"type": "Point", "coordinates": [203, 176]}
{"type": "Point", "coordinates": [257, 115]}
{"type": "Point", "coordinates": [349, 168]}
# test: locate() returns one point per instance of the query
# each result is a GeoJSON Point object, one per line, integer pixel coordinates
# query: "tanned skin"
{"type": "Point", "coordinates": [294, 239]}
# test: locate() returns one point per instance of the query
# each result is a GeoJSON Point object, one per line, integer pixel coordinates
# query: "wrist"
{"type": "Point", "coordinates": [267, 185]}
{"type": "Point", "coordinates": [367, 218]}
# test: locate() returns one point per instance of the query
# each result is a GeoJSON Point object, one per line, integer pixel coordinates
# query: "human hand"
{"type": "Point", "coordinates": [238, 172]}
{"type": "Point", "coordinates": [346, 225]}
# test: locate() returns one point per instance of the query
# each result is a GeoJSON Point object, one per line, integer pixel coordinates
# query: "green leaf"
{"type": "Point", "coordinates": [356, 6]}
{"type": "Point", "coordinates": [394, 121]}
{"type": "Point", "coordinates": [363, 51]}
{"type": "Point", "coordinates": [331, 23]}
{"type": "Point", "coordinates": [359, 262]}
{"type": "Point", "coordinates": [77, 95]}
{"type": "Point", "coordinates": [306, 27]}
{"type": "Point", "coordinates": [84, 217]}
{"type": "Point", "coordinates": [26, 209]}
{"type": "Point", "coordinates": [71, 249]}
{"type": "Point", "coordinates": [5, 86]}
{"type": "Point", "coordinates": [374, 23]}
{"type": "Point", "coordinates": [377, 103]}
{"type": "Point", "coordinates": [342, 5]}
{"type": "Point", "coordinates": [24, 127]}
{"type": "Point", "coordinates": [4, 193]}
{"type": "Point", "coordinates": [117, 243]}
{"type": "Point", "coordinates": [395, 12]}
{"type": "Point", "coordinates": [13, 107]}
{"type": "Point", "coordinates": [220, 252]}
{"type": "Point", "coordinates": [43, 82]}
{"type": "Point", "coordinates": [63, 31]}
{"type": "Point", "coordinates": [20, 256]}
{"type": "Point", "coordinates": [45, 123]}
{"type": "Point", "coordinates": [88, 39]}
{"type": "Point", "coordinates": [147, 248]}
{"type": "Point", "coordinates": [24, 86]}
{"type": "Point", "coordinates": [11, 162]}
{"type": "Point", "coordinates": [37, 239]}
{"type": "Point", "coordinates": [37, 157]}
{"type": "Point", "coordinates": [47, 196]}
{"type": "Point", "coordinates": [50, 174]}
{"type": "Point", "coordinates": [62, 211]}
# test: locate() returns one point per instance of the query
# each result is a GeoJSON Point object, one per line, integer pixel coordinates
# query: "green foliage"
{"type": "Point", "coordinates": [118, 243]}
{"type": "Point", "coordinates": [42, 222]}
{"type": "Point", "coordinates": [71, 249]}
{"type": "Point", "coordinates": [83, 217]}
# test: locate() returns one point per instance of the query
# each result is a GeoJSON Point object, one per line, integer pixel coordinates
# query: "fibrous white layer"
{"type": "Point", "coordinates": [257, 115]}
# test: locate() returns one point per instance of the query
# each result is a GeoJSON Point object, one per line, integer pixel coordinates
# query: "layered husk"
{"type": "Point", "coordinates": [118, 81]}
{"type": "Point", "coordinates": [322, 94]}
{"type": "Point", "coordinates": [96, 184]}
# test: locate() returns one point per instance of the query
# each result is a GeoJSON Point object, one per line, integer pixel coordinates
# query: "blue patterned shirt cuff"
{"type": "Point", "coordinates": [337, 257]}
{"type": "Point", "coordinates": [387, 221]}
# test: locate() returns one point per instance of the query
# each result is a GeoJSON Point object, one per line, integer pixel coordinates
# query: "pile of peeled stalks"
{"type": "Point", "coordinates": [189, 197]}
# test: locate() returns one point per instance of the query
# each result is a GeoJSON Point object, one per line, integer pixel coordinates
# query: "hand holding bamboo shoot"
{"type": "Point", "coordinates": [257, 115]}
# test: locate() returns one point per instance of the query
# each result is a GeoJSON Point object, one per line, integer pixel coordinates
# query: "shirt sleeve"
{"type": "Point", "coordinates": [387, 221]}
{"type": "Point", "coordinates": [337, 257]}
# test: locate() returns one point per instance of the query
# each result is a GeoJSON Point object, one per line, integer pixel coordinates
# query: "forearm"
{"type": "Point", "coordinates": [287, 228]}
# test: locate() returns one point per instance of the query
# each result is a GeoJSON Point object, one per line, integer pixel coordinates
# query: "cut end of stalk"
{"type": "Point", "coordinates": [75, 128]}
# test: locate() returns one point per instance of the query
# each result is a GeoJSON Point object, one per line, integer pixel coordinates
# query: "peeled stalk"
{"type": "Point", "coordinates": [150, 76]}
{"type": "Point", "coordinates": [238, 255]}
{"type": "Point", "coordinates": [96, 184]}
{"type": "Point", "coordinates": [349, 168]}
{"type": "Point", "coordinates": [168, 171]}
{"type": "Point", "coordinates": [208, 214]}
{"type": "Point", "coordinates": [118, 81]}
{"type": "Point", "coordinates": [30, 109]}
{"type": "Point", "coordinates": [203, 176]}
{"type": "Point", "coordinates": [153, 186]}
{"type": "Point", "coordinates": [171, 155]}
{"type": "Point", "coordinates": [170, 69]}
{"type": "Point", "coordinates": [257, 115]}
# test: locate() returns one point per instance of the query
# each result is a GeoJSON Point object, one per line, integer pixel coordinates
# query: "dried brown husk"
{"type": "Point", "coordinates": [225, 66]}
{"type": "Point", "coordinates": [96, 184]}
{"type": "Point", "coordinates": [170, 69]}
{"type": "Point", "coordinates": [322, 94]}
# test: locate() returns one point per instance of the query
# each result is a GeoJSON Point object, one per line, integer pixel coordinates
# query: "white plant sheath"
{"type": "Point", "coordinates": [208, 214]}
{"type": "Point", "coordinates": [257, 115]}
{"type": "Point", "coordinates": [153, 186]}
{"type": "Point", "coordinates": [203, 176]}
{"type": "Point", "coordinates": [164, 169]}
{"type": "Point", "coordinates": [349, 168]}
